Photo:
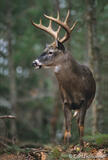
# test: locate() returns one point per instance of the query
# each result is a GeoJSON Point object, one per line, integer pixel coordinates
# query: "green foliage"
{"type": "Point", "coordinates": [99, 139]}
{"type": "Point", "coordinates": [102, 139]}
{"type": "Point", "coordinates": [15, 149]}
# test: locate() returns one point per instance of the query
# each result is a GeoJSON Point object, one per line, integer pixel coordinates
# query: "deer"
{"type": "Point", "coordinates": [76, 82]}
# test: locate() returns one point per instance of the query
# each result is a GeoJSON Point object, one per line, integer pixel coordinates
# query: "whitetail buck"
{"type": "Point", "coordinates": [76, 82]}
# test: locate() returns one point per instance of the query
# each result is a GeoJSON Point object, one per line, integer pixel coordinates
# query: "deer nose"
{"type": "Point", "coordinates": [37, 64]}
{"type": "Point", "coordinates": [34, 63]}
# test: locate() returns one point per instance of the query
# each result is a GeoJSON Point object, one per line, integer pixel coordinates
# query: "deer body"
{"type": "Point", "coordinates": [77, 88]}
{"type": "Point", "coordinates": [76, 83]}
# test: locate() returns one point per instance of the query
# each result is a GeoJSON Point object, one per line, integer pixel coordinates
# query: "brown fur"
{"type": "Point", "coordinates": [76, 84]}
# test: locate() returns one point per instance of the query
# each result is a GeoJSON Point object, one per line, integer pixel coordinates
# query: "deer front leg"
{"type": "Point", "coordinates": [68, 119]}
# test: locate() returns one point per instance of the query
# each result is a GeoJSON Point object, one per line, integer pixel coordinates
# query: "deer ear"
{"type": "Point", "coordinates": [60, 46]}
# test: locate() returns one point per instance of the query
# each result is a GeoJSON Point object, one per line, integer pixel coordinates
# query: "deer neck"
{"type": "Point", "coordinates": [57, 68]}
{"type": "Point", "coordinates": [67, 64]}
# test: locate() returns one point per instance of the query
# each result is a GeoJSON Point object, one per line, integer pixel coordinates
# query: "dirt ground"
{"type": "Point", "coordinates": [57, 152]}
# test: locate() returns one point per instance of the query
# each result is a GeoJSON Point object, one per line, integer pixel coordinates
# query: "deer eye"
{"type": "Point", "coordinates": [50, 52]}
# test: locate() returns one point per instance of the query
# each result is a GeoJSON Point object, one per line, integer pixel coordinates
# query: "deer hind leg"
{"type": "Point", "coordinates": [68, 119]}
{"type": "Point", "coordinates": [80, 122]}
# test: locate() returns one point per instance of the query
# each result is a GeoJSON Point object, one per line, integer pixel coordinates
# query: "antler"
{"type": "Point", "coordinates": [48, 29]}
{"type": "Point", "coordinates": [61, 24]}
{"type": "Point", "coordinates": [64, 25]}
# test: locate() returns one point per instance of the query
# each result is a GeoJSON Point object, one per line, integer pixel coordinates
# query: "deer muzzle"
{"type": "Point", "coordinates": [37, 64]}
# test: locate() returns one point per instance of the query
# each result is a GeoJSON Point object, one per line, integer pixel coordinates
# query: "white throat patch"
{"type": "Point", "coordinates": [57, 68]}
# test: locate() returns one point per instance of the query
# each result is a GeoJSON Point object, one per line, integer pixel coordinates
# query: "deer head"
{"type": "Point", "coordinates": [52, 54]}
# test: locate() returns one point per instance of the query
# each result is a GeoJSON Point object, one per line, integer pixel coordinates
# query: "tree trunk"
{"type": "Point", "coordinates": [13, 98]}
{"type": "Point", "coordinates": [94, 58]}
{"type": "Point", "coordinates": [57, 105]}
{"type": "Point", "coordinates": [69, 7]}
{"type": "Point", "coordinates": [57, 6]}
{"type": "Point", "coordinates": [55, 117]}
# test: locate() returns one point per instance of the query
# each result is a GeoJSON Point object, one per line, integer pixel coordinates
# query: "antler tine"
{"type": "Point", "coordinates": [58, 15]}
{"type": "Point", "coordinates": [73, 26]}
{"type": "Point", "coordinates": [50, 24]}
{"type": "Point", "coordinates": [67, 16]}
{"type": "Point", "coordinates": [40, 22]}
{"type": "Point", "coordinates": [58, 30]}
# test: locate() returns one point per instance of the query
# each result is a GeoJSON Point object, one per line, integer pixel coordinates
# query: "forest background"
{"type": "Point", "coordinates": [32, 95]}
